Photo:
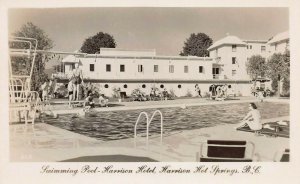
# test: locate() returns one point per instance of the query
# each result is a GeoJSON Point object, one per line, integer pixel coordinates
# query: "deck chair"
{"type": "Point", "coordinates": [225, 151]}
{"type": "Point", "coordinates": [283, 157]}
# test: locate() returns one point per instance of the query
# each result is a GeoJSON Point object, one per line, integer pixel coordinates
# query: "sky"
{"type": "Point", "coordinates": [163, 29]}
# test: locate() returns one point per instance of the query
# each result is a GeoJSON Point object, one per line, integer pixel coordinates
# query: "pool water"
{"type": "Point", "coordinates": [114, 125]}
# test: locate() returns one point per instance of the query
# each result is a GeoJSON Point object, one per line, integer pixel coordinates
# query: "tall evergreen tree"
{"type": "Point", "coordinates": [93, 44]}
{"type": "Point", "coordinates": [197, 45]}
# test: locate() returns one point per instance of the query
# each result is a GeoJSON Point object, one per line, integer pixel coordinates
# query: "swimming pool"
{"type": "Point", "coordinates": [114, 125]}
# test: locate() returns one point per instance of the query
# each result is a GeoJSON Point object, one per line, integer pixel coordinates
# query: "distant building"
{"type": "Point", "coordinates": [279, 43]}
{"type": "Point", "coordinates": [143, 69]}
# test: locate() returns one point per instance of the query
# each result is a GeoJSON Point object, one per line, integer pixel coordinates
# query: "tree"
{"type": "Point", "coordinates": [279, 70]}
{"type": "Point", "coordinates": [256, 67]}
{"type": "Point", "coordinates": [29, 30]}
{"type": "Point", "coordinates": [197, 45]}
{"type": "Point", "coordinates": [93, 44]}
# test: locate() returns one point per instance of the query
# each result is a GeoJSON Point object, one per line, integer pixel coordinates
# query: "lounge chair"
{"type": "Point", "coordinates": [101, 102]}
{"type": "Point", "coordinates": [282, 156]}
{"type": "Point", "coordinates": [225, 151]}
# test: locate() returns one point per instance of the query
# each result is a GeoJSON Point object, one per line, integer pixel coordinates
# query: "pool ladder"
{"type": "Point", "coordinates": [148, 124]}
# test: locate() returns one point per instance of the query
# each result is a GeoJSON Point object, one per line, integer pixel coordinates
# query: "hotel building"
{"type": "Point", "coordinates": [130, 69]}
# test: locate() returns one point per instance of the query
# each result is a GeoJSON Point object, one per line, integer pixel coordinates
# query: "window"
{"type": "Point", "coordinates": [233, 48]}
{"type": "Point", "coordinates": [171, 68]}
{"type": "Point", "coordinates": [247, 46]}
{"type": "Point", "coordinates": [122, 68]}
{"type": "Point", "coordinates": [106, 86]}
{"type": "Point", "coordinates": [216, 52]}
{"type": "Point", "coordinates": [215, 70]}
{"type": "Point", "coordinates": [162, 86]}
{"type": "Point", "coordinates": [233, 72]}
{"type": "Point", "coordinates": [125, 86]}
{"type": "Point", "coordinates": [108, 68]}
{"type": "Point", "coordinates": [201, 69]}
{"type": "Point", "coordinates": [263, 48]}
{"type": "Point", "coordinates": [140, 68]}
{"type": "Point", "coordinates": [179, 86]}
{"type": "Point", "coordinates": [250, 46]}
{"type": "Point", "coordinates": [144, 86]}
{"type": "Point", "coordinates": [233, 60]}
{"type": "Point", "coordinates": [186, 69]}
{"type": "Point", "coordinates": [216, 73]}
{"type": "Point", "coordinates": [155, 68]}
{"type": "Point", "coordinates": [92, 67]}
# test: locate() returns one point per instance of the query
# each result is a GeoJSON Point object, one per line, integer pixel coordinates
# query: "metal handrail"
{"type": "Point", "coordinates": [136, 123]}
{"type": "Point", "coordinates": [161, 125]}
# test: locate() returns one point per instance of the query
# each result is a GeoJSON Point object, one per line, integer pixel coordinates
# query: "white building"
{"type": "Point", "coordinates": [279, 43]}
{"type": "Point", "coordinates": [131, 69]}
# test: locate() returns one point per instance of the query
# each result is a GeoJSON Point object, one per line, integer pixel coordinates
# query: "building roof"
{"type": "Point", "coordinates": [120, 51]}
{"type": "Point", "coordinates": [232, 40]}
{"type": "Point", "coordinates": [255, 41]}
{"type": "Point", "coordinates": [280, 37]}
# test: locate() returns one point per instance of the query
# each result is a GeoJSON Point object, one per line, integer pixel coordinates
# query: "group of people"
{"type": "Point", "coordinates": [219, 92]}
{"type": "Point", "coordinates": [48, 89]}
{"type": "Point", "coordinates": [155, 93]}
{"type": "Point", "coordinates": [260, 93]}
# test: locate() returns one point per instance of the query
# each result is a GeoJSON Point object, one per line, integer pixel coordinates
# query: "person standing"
{"type": "Point", "coordinates": [77, 75]}
{"type": "Point", "coordinates": [45, 90]}
{"type": "Point", "coordinates": [70, 90]}
{"type": "Point", "coordinates": [198, 90]}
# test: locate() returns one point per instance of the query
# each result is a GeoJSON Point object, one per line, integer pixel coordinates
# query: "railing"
{"type": "Point", "coordinates": [148, 125]}
{"type": "Point", "coordinates": [61, 75]}
{"type": "Point", "coordinates": [136, 123]}
{"type": "Point", "coordinates": [218, 59]}
{"type": "Point", "coordinates": [161, 124]}
{"type": "Point", "coordinates": [216, 76]}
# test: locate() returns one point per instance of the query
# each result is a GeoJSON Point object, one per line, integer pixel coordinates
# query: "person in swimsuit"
{"type": "Point", "coordinates": [70, 90]}
{"type": "Point", "coordinates": [77, 75]}
{"type": "Point", "coordinates": [252, 119]}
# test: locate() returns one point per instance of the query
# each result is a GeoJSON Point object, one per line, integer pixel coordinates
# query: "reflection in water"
{"type": "Point", "coordinates": [116, 125]}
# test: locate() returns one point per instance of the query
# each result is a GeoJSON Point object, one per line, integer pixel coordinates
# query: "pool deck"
{"type": "Point", "coordinates": [42, 142]}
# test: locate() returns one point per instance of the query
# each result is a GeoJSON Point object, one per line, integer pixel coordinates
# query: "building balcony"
{"type": "Point", "coordinates": [218, 59]}
{"type": "Point", "coordinates": [61, 75]}
{"type": "Point", "coordinates": [216, 76]}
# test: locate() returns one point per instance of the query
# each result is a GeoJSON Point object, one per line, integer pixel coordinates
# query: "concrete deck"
{"type": "Point", "coordinates": [45, 143]}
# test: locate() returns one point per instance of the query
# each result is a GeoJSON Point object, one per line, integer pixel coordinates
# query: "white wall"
{"type": "Point", "coordinates": [225, 53]}
{"type": "Point", "coordinates": [131, 69]}
{"type": "Point", "coordinates": [243, 89]}
{"type": "Point", "coordinates": [280, 48]}
{"type": "Point", "coordinates": [256, 49]}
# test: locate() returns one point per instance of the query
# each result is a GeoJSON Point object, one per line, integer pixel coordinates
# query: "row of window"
{"type": "Point", "coordinates": [141, 69]}
{"type": "Point", "coordinates": [262, 48]}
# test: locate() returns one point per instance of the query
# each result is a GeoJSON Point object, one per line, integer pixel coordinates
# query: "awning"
{"type": "Point", "coordinates": [261, 80]}
{"type": "Point", "coordinates": [70, 59]}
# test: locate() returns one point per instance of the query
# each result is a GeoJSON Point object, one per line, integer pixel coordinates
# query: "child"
{"type": "Point", "coordinates": [45, 90]}
{"type": "Point", "coordinates": [89, 101]}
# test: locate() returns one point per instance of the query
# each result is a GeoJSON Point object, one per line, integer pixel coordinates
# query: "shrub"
{"type": "Point", "coordinates": [206, 94]}
{"type": "Point", "coordinates": [172, 93]}
{"type": "Point", "coordinates": [189, 94]}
